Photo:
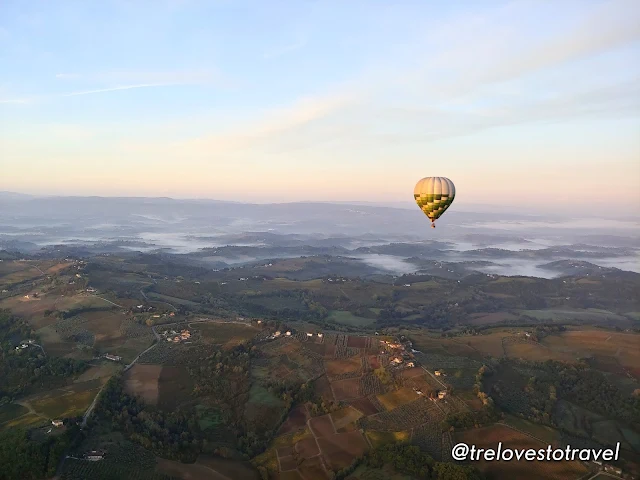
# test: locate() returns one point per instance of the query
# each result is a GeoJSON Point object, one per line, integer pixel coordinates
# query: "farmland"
{"type": "Point", "coordinates": [142, 381]}
{"type": "Point", "coordinates": [489, 437]}
{"type": "Point", "coordinates": [397, 398]}
{"type": "Point", "coordinates": [205, 468]}
{"type": "Point", "coordinates": [225, 333]}
{"type": "Point", "coordinates": [308, 404]}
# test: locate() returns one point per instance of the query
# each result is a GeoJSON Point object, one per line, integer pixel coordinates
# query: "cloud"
{"type": "Point", "coordinates": [114, 89]}
{"type": "Point", "coordinates": [123, 80]}
{"type": "Point", "coordinates": [67, 76]}
{"type": "Point", "coordinates": [136, 77]}
{"type": "Point", "coordinates": [278, 52]}
{"type": "Point", "coordinates": [259, 133]}
{"type": "Point", "coordinates": [615, 23]}
{"type": "Point", "coordinates": [16, 101]}
{"type": "Point", "coordinates": [507, 44]}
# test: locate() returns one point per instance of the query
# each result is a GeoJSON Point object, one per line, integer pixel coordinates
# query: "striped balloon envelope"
{"type": "Point", "coordinates": [434, 195]}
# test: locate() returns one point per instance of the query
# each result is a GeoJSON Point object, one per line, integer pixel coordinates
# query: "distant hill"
{"type": "Point", "coordinates": [576, 267]}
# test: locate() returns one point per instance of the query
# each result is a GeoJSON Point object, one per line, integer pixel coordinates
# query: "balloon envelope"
{"type": "Point", "coordinates": [434, 195]}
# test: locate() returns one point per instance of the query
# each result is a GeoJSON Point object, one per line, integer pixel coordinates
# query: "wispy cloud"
{"type": "Point", "coordinates": [16, 101]}
{"type": "Point", "coordinates": [115, 89]}
{"type": "Point", "coordinates": [67, 76]}
{"type": "Point", "coordinates": [279, 52]}
{"type": "Point", "coordinates": [205, 76]}
{"type": "Point", "coordinates": [125, 80]}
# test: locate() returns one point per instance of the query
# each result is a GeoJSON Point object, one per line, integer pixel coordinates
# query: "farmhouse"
{"type": "Point", "coordinates": [320, 335]}
{"type": "Point", "coordinates": [288, 333]}
{"type": "Point", "coordinates": [94, 455]}
{"type": "Point", "coordinates": [309, 334]}
{"type": "Point", "coordinates": [410, 364]}
{"type": "Point", "coordinates": [438, 373]}
{"type": "Point", "coordinates": [612, 469]}
{"type": "Point", "coordinates": [91, 290]}
{"type": "Point", "coordinates": [397, 360]}
{"type": "Point", "coordinates": [57, 423]}
{"type": "Point", "coordinates": [113, 358]}
{"type": "Point", "coordinates": [442, 394]}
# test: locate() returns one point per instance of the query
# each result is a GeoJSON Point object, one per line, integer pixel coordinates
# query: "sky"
{"type": "Point", "coordinates": [532, 103]}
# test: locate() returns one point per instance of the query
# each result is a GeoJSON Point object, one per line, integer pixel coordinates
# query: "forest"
{"type": "Point", "coordinates": [20, 369]}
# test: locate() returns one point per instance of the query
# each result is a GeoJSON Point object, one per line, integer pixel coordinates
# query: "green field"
{"type": "Point", "coordinates": [172, 300]}
{"type": "Point", "coordinates": [29, 420]}
{"type": "Point", "coordinates": [222, 332]}
{"type": "Point", "coordinates": [60, 403]}
{"type": "Point", "coordinates": [262, 396]}
{"type": "Point", "coordinates": [10, 411]}
{"type": "Point", "coordinates": [348, 318]}
{"type": "Point", "coordinates": [544, 433]}
{"type": "Point", "coordinates": [378, 439]}
{"type": "Point", "coordinates": [367, 473]}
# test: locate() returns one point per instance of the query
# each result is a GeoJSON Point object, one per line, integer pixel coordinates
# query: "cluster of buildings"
{"type": "Point", "coordinates": [400, 356]}
{"type": "Point", "coordinates": [278, 334]}
{"type": "Point", "coordinates": [173, 336]}
{"type": "Point", "coordinates": [24, 345]}
{"type": "Point", "coordinates": [143, 308]}
{"type": "Point", "coordinates": [113, 358]}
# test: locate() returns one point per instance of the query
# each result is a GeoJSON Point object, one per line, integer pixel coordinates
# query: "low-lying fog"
{"type": "Point", "coordinates": [509, 244]}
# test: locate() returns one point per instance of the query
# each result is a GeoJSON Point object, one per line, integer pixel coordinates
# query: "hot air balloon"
{"type": "Point", "coordinates": [434, 195]}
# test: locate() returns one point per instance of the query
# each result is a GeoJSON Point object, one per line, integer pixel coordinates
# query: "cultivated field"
{"type": "Point", "coordinates": [142, 381]}
{"type": "Point", "coordinates": [377, 439]}
{"type": "Point", "coordinates": [397, 398]}
{"type": "Point", "coordinates": [206, 468]}
{"type": "Point", "coordinates": [489, 437]}
{"type": "Point", "coordinates": [623, 347]}
{"type": "Point", "coordinates": [68, 401]}
{"type": "Point", "coordinates": [227, 334]}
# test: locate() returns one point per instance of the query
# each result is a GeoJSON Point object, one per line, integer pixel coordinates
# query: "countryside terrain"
{"type": "Point", "coordinates": [307, 368]}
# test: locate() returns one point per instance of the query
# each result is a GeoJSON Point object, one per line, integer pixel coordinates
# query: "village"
{"type": "Point", "coordinates": [173, 336]}
{"type": "Point", "coordinates": [401, 358]}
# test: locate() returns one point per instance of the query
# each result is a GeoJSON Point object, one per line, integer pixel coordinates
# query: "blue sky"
{"type": "Point", "coordinates": [522, 102]}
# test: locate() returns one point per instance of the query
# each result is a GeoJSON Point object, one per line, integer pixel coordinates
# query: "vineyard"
{"type": "Point", "coordinates": [70, 327]}
{"type": "Point", "coordinates": [447, 446]}
{"type": "Point", "coordinates": [519, 339]}
{"type": "Point", "coordinates": [345, 352]}
{"type": "Point", "coordinates": [405, 417]}
{"type": "Point", "coordinates": [370, 385]}
{"type": "Point", "coordinates": [172, 354]}
{"type": "Point", "coordinates": [345, 375]}
{"type": "Point", "coordinates": [132, 329]}
{"type": "Point", "coordinates": [346, 389]}
{"type": "Point", "coordinates": [84, 337]}
{"type": "Point", "coordinates": [453, 404]}
{"type": "Point", "coordinates": [429, 438]}
{"type": "Point", "coordinates": [435, 361]}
